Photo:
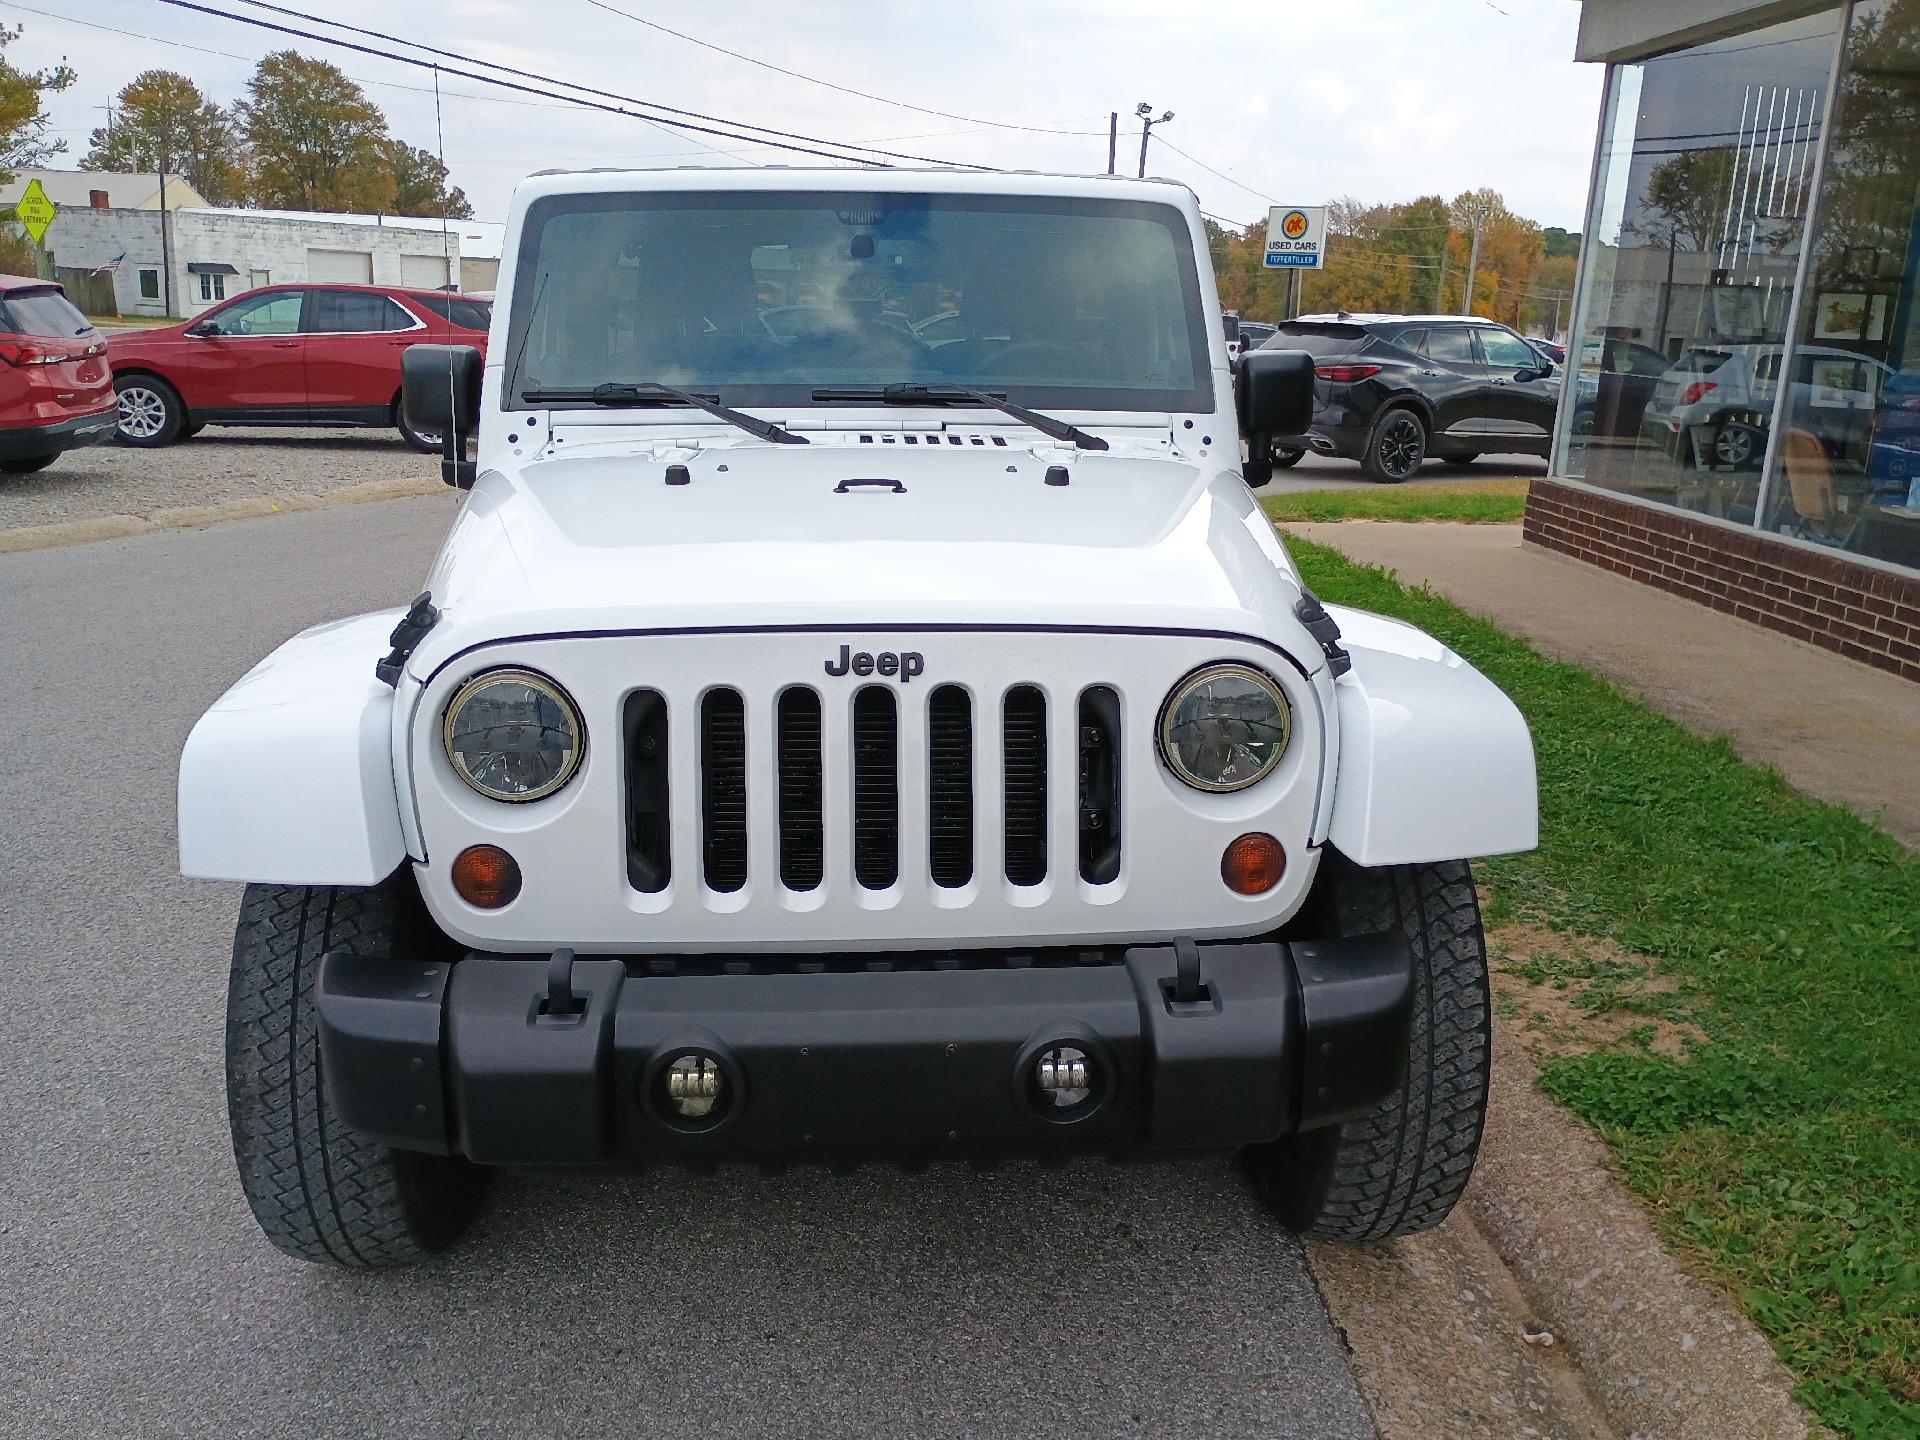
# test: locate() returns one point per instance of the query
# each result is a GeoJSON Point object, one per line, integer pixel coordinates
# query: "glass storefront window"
{"type": "Point", "coordinates": [1846, 472]}
{"type": "Point", "coordinates": [1699, 209]}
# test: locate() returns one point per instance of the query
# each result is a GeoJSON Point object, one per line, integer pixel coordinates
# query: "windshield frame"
{"type": "Point", "coordinates": [797, 395]}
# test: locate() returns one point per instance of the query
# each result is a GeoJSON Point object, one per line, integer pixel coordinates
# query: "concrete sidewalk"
{"type": "Point", "coordinates": [1834, 728]}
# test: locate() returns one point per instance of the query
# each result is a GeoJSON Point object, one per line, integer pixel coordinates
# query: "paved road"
{"type": "Point", "coordinates": [1320, 472]}
{"type": "Point", "coordinates": [136, 1298]}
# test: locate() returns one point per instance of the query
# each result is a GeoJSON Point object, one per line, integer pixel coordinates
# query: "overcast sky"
{"type": "Point", "coordinates": [1301, 100]}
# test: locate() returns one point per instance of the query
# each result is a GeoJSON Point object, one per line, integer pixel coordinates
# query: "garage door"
{"type": "Point", "coordinates": [423, 272]}
{"type": "Point", "coordinates": [340, 267]}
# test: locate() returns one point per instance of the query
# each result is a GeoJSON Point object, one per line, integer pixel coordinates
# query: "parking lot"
{"type": "Point", "coordinates": [1152, 1300]}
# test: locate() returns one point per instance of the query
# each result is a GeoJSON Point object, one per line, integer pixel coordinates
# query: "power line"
{"type": "Point", "coordinates": [1202, 164]}
{"type": "Point", "coordinates": [789, 140]}
{"type": "Point", "coordinates": [827, 84]}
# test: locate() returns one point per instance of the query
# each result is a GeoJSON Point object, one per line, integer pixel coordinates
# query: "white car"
{"type": "Point", "coordinates": [830, 745]}
{"type": "Point", "coordinates": [1714, 403]}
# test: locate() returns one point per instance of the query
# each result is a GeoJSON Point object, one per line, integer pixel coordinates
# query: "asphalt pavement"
{"type": "Point", "coordinates": [1323, 472]}
{"type": "Point", "coordinates": [138, 1299]}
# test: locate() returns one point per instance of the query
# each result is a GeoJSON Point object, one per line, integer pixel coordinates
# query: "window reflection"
{"type": "Point", "coordinates": [1707, 161]}
{"type": "Point", "coordinates": [1848, 461]}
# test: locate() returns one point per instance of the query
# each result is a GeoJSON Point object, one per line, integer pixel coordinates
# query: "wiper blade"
{"type": "Point", "coordinates": [959, 395]}
{"type": "Point", "coordinates": [626, 394]}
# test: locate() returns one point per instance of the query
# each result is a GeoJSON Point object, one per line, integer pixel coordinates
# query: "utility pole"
{"type": "Point", "coordinates": [1440, 299]}
{"type": "Point", "coordinates": [1147, 121]}
{"type": "Point", "coordinates": [1113, 139]}
{"type": "Point", "coordinates": [1473, 267]}
{"type": "Point", "coordinates": [166, 242]}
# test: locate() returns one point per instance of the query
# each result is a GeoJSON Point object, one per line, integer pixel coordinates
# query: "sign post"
{"type": "Point", "coordinates": [1296, 237]}
{"type": "Point", "coordinates": [35, 212]}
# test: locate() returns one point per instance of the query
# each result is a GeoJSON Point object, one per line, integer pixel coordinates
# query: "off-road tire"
{"type": "Point", "coordinates": [151, 412]}
{"type": "Point", "coordinates": [320, 1191]}
{"type": "Point", "coordinates": [1400, 1168]}
{"type": "Point", "coordinates": [1396, 446]}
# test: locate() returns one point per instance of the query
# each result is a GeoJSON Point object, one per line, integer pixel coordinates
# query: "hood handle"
{"type": "Point", "coordinates": [848, 486]}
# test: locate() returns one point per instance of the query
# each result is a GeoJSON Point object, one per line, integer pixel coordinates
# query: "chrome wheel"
{"type": "Point", "coordinates": [143, 413]}
{"type": "Point", "coordinates": [1736, 445]}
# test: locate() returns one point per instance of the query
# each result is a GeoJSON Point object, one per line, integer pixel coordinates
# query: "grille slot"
{"type": "Point", "coordinates": [1099, 785]}
{"type": "Point", "coordinates": [950, 786]}
{"type": "Point", "coordinates": [1024, 750]}
{"type": "Point", "coordinates": [649, 852]}
{"type": "Point", "coordinates": [802, 834]}
{"type": "Point", "coordinates": [723, 789]}
{"type": "Point", "coordinates": [876, 788]}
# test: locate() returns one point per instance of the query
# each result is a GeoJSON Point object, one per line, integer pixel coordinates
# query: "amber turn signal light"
{"type": "Point", "coordinates": [1253, 864]}
{"type": "Point", "coordinates": [487, 877]}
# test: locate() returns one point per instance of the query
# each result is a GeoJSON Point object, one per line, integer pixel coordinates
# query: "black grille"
{"type": "Point", "coordinates": [1099, 785]}
{"type": "Point", "coordinates": [876, 788]}
{"type": "Point", "coordinates": [802, 838]}
{"type": "Point", "coordinates": [950, 786]}
{"type": "Point", "coordinates": [1024, 748]}
{"type": "Point", "coordinates": [723, 789]}
{"type": "Point", "coordinates": [649, 865]}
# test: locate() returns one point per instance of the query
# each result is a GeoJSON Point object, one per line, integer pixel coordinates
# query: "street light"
{"type": "Point", "coordinates": [1147, 122]}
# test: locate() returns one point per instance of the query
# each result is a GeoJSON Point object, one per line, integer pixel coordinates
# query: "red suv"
{"type": "Point", "coordinates": [55, 394]}
{"type": "Point", "coordinates": [286, 355]}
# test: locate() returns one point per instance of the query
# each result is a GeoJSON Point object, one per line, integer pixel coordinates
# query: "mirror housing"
{"type": "Point", "coordinates": [440, 392]}
{"type": "Point", "coordinates": [1273, 391]}
{"type": "Point", "coordinates": [205, 330]}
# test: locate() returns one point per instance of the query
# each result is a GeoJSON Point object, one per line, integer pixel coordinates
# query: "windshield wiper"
{"type": "Point", "coordinates": [631, 394]}
{"type": "Point", "coordinates": [961, 395]}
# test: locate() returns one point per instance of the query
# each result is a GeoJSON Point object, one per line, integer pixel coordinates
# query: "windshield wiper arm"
{"type": "Point", "coordinates": [632, 394]}
{"type": "Point", "coordinates": [961, 394]}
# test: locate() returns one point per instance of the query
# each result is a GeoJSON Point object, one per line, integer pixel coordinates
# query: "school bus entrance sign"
{"type": "Point", "coordinates": [1297, 237]}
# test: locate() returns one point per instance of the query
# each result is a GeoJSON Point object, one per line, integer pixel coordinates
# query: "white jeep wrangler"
{"type": "Point", "coordinates": [858, 712]}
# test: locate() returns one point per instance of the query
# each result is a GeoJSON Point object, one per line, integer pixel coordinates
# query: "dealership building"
{"type": "Point", "coordinates": [1741, 423]}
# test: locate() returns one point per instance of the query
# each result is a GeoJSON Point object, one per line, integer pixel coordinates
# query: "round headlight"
{"type": "Point", "coordinates": [1224, 727]}
{"type": "Point", "coordinates": [513, 735]}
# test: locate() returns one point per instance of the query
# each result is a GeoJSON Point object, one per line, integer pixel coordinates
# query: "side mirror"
{"type": "Point", "coordinates": [205, 330]}
{"type": "Point", "coordinates": [440, 391]}
{"type": "Point", "coordinates": [1273, 391]}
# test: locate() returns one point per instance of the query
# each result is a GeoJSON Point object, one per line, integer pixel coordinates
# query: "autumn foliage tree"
{"type": "Point", "coordinates": [164, 122]}
{"type": "Point", "coordinates": [25, 134]}
{"type": "Point", "coordinates": [420, 184]}
{"type": "Point", "coordinates": [317, 142]}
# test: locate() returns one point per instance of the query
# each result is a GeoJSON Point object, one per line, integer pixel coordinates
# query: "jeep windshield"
{"type": "Point", "coordinates": [786, 299]}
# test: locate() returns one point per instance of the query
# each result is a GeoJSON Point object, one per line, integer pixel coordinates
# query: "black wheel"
{"type": "Point", "coordinates": [1399, 1168]}
{"type": "Point", "coordinates": [151, 414]}
{"type": "Point", "coordinates": [1396, 447]}
{"type": "Point", "coordinates": [1583, 420]}
{"type": "Point", "coordinates": [1285, 457]}
{"type": "Point", "coordinates": [29, 465]}
{"type": "Point", "coordinates": [427, 442]}
{"type": "Point", "coordinates": [322, 1192]}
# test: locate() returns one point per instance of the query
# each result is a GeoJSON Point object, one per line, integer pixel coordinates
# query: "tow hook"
{"type": "Point", "coordinates": [1187, 993]}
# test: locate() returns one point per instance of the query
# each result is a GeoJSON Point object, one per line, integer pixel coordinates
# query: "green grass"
{"type": "Point", "coordinates": [1782, 1155]}
{"type": "Point", "coordinates": [1481, 502]}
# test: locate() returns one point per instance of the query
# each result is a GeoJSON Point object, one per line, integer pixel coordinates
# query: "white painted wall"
{"type": "Point", "coordinates": [263, 249]}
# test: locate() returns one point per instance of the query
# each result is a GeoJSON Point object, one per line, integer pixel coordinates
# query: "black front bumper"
{"type": "Point", "coordinates": [863, 1055]}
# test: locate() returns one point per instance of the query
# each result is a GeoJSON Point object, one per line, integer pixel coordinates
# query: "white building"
{"type": "Point", "coordinates": [217, 253]}
{"type": "Point", "coordinates": [78, 189]}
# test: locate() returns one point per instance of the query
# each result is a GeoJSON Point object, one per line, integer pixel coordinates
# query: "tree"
{"type": "Point", "coordinates": [24, 135]}
{"type": "Point", "coordinates": [163, 121]}
{"type": "Point", "coordinates": [1689, 194]}
{"type": "Point", "coordinates": [420, 184]}
{"type": "Point", "coordinates": [317, 142]}
{"type": "Point", "coordinates": [1561, 244]}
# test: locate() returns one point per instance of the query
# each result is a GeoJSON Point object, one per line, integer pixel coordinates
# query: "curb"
{"type": "Point", "coordinates": [1547, 1237]}
{"type": "Point", "coordinates": [188, 517]}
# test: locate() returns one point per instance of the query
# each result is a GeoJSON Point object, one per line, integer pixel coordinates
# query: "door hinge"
{"type": "Point", "coordinates": [413, 627]}
{"type": "Point", "coordinates": [1325, 629]}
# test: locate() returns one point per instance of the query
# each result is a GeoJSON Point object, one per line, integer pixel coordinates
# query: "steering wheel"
{"type": "Point", "coordinates": [1041, 350]}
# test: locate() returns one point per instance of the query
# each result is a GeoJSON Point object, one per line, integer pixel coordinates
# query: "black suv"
{"type": "Point", "coordinates": [1392, 390]}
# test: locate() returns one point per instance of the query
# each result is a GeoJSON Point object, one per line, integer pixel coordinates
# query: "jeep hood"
{"type": "Point", "coordinates": [846, 534]}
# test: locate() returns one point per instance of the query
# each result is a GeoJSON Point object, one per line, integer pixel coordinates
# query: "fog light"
{"type": "Point", "coordinates": [1065, 1077]}
{"type": "Point", "coordinates": [694, 1085]}
{"type": "Point", "coordinates": [486, 877]}
{"type": "Point", "coordinates": [1253, 864]}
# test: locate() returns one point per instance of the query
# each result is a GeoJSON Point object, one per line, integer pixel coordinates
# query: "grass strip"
{"type": "Point", "coordinates": [1472, 502]}
{"type": "Point", "coordinates": [1781, 1151]}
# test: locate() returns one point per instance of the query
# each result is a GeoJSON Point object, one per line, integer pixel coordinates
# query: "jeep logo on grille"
{"type": "Point", "coordinates": [905, 663]}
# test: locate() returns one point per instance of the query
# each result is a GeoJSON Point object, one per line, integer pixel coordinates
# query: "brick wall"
{"type": "Point", "coordinates": [1825, 597]}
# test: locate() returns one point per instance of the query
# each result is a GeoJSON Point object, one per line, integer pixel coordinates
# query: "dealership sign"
{"type": "Point", "coordinates": [1297, 237]}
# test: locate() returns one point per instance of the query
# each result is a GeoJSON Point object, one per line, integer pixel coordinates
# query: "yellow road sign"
{"type": "Point", "coordinates": [35, 211]}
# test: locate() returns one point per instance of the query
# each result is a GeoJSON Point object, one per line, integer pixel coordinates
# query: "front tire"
{"type": "Point", "coordinates": [151, 414]}
{"type": "Point", "coordinates": [425, 441]}
{"type": "Point", "coordinates": [1285, 457]}
{"type": "Point", "coordinates": [1401, 1167]}
{"type": "Point", "coordinates": [1396, 447]}
{"type": "Point", "coordinates": [320, 1191]}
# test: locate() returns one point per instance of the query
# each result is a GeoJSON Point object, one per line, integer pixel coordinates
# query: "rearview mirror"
{"type": "Point", "coordinates": [440, 392]}
{"type": "Point", "coordinates": [1273, 391]}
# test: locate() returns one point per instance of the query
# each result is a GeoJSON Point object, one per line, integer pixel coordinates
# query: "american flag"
{"type": "Point", "coordinates": [111, 265]}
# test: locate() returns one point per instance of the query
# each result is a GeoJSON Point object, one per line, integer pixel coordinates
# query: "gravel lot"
{"type": "Point", "coordinates": [210, 469]}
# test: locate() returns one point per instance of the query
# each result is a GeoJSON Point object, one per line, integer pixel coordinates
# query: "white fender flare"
{"type": "Point", "coordinates": [288, 779]}
{"type": "Point", "coordinates": [1436, 763]}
